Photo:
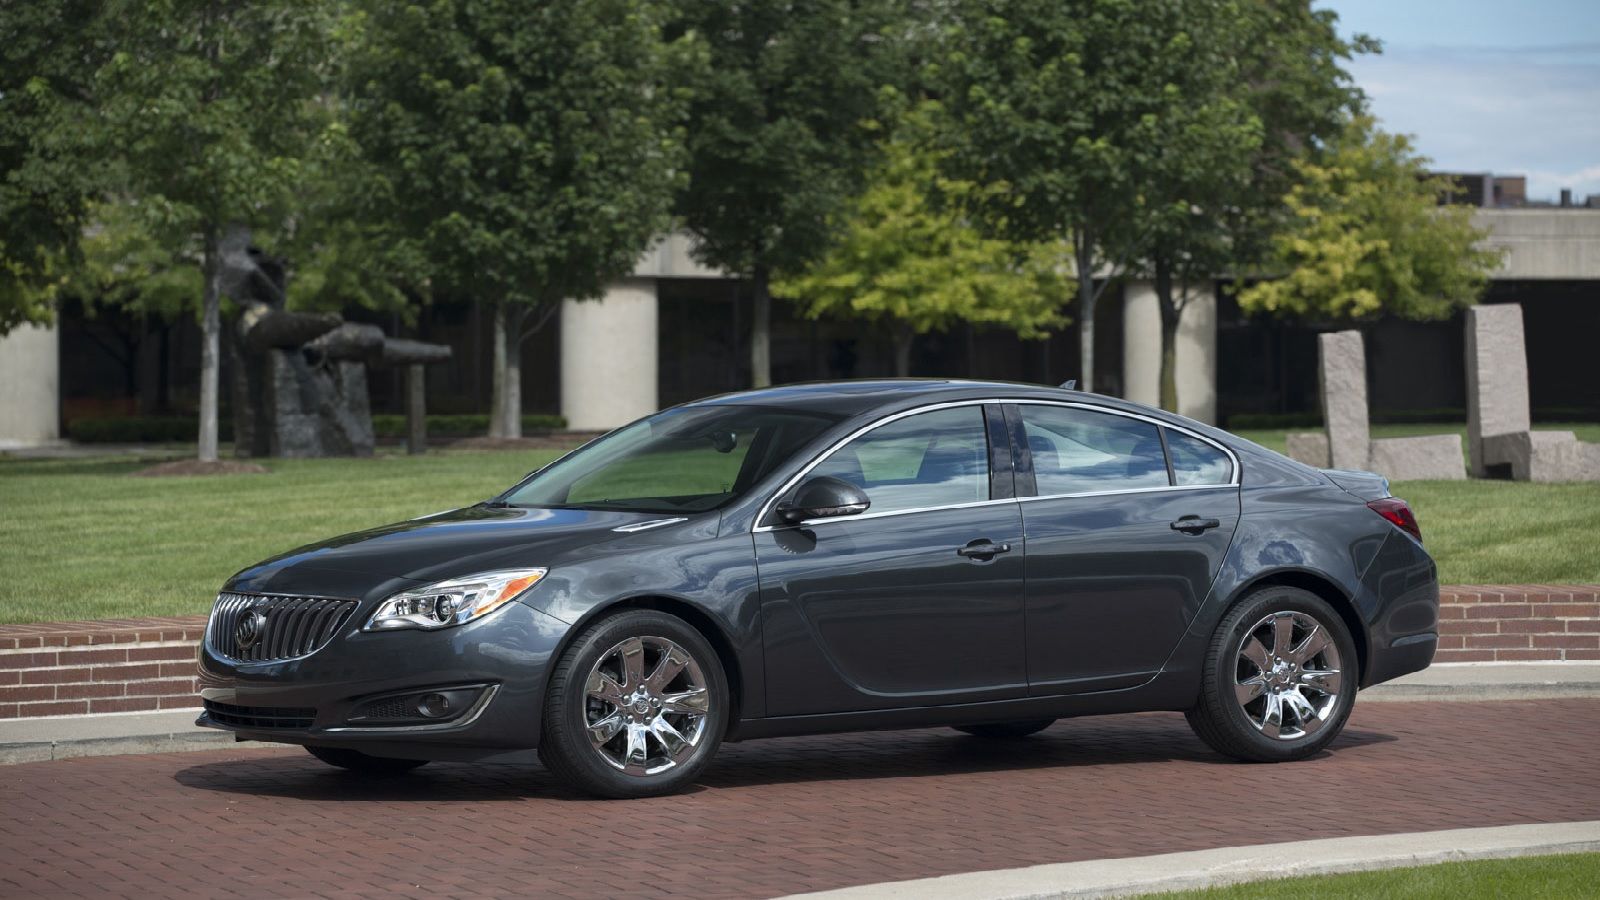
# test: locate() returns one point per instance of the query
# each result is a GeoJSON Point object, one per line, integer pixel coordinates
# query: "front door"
{"type": "Point", "coordinates": [1122, 546]}
{"type": "Point", "coordinates": [916, 602]}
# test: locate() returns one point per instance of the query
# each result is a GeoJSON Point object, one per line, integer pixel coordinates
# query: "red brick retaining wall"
{"type": "Point", "coordinates": [125, 665]}
{"type": "Point", "coordinates": [115, 665]}
{"type": "Point", "coordinates": [1519, 622]}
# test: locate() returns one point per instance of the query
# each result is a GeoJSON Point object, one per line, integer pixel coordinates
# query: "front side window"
{"type": "Point", "coordinates": [931, 459]}
{"type": "Point", "coordinates": [1078, 451]}
{"type": "Point", "coordinates": [689, 459]}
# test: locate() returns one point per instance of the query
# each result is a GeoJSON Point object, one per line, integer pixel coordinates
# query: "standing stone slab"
{"type": "Point", "coordinates": [1342, 364]}
{"type": "Point", "coordinates": [1497, 380]}
{"type": "Point", "coordinates": [1309, 447]}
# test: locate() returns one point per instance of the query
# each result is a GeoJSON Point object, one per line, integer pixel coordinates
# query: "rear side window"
{"type": "Point", "coordinates": [1196, 462]}
{"type": "Point", "coordinates": [1078, 451]}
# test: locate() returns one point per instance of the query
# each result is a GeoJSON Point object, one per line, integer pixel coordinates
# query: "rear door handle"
{"type": "Point", "coordinates": [1194, 524]}
{"type": "Point", "coordinates": [983, 549]}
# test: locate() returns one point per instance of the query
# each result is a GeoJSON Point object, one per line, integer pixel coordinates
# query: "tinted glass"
{"type": "Point", "coordinates": [1196, 462]}
{"type": "Point", "coordinates": [1076, 451]}
{"type": "Point", "coordinates": [930, 459]}
{"type": "Point", "coordinates": [682, 460]}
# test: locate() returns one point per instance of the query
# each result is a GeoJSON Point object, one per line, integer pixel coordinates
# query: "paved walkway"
{"type": "Point", "coordinates": [783, 816]}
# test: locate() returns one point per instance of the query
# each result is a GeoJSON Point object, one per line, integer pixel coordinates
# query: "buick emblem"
{"type": "Point", "coordinates": [250, 628]}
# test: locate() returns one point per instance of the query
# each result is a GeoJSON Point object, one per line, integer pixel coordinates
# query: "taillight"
{"type": "Point", "coordinates": [1397, 511]}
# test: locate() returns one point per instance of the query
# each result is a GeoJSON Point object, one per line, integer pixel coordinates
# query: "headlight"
{"type": "Point", "coordinates": [452, 602]}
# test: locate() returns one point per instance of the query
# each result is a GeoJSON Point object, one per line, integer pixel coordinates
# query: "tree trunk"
{"type": "Point", "coordinates": [904, 336]}
{"type": "Point", "coordinates": [1083, 250]}
{"type": "Point", "coordinates": [761, 329]}
{"type": "Point", "coordinates": [1169, 334]}
{"type": "Point", "coordinates": [497, 392]}
{"type": "Point", "coordinates": [210, 345]}
{"type": "Point", "coordinates": [416, 409]}
{"type": "Point", "coordinates": [511, 415]}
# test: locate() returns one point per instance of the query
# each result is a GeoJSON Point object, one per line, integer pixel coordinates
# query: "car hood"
{"type": "Point", "coordinates": [451, 544]}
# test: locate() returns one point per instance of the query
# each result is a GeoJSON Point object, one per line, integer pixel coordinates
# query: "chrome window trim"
{"type": "Point", "coordinates": [757, 528]}
{"type": "Point", "coordinates": [1233, 478]}
{"type": "Point", "coordinates": [1147, 490]}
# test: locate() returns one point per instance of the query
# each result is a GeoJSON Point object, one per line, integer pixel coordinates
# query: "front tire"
{"type": "Point", "coordinates": [362, 763]}
{"type": "Point", "coordinates": [1006, 730]}
{"type": "Point", "coordinates": [636, 707]}
{"type": "Point", "coordinates": [1279, 679]}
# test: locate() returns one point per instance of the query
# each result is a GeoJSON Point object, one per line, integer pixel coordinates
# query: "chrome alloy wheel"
{"type": "Point", "coordinates": [1287, 677]}
{"type": "Point", "coordinates": [644, 724]}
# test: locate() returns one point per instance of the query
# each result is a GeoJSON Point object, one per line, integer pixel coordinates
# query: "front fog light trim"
{"type": "Point", "coordinates": [453, 601]}
{"type": "Point", "coordinates": [473, 700]}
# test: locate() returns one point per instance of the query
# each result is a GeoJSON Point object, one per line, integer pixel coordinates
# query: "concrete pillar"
{"type": "Point", "coordinates": [609, 349]}
{"type": "Point", "coordinates": [1197, 350]}
{"type": "Point", "coordinates": [30, 386]}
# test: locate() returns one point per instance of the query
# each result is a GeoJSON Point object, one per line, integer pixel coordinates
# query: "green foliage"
{"type": "Point", "coordinates": [907, 254]}
{"type": "Point", "coordinates": [122, 264]}
{"type": "Point", "coordinates": [51, 48]}
{"type": "Point", "coordinates": [208, 109]}
{"type": "Point", "coordinates": [390, 426]}
{"type": "Point", "coordinates": [1368, 237]}
{"type": "Point", "coordinates": [781, 139]}
{"type": "Point", "coordinates": [527, 153]}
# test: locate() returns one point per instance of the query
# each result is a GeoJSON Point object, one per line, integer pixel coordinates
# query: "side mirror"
{"type": "Point", "coordinates": [824, 497]}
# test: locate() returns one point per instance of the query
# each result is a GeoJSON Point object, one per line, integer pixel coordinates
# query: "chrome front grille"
{"type": "Point", "coordinates": [278, 627]}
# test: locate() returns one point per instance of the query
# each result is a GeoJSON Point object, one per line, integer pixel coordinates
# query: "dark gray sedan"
{"type": "Point", "coordinates": [832, 557]}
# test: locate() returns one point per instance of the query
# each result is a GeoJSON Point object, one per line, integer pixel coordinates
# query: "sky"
{"type": "Point", "coordinates": [1484, 86]}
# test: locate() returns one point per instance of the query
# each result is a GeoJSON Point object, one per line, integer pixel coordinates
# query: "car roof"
{"type": "Point", "coordinates": [852, 398]}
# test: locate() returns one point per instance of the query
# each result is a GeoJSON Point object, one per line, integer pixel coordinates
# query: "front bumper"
{"type": "Point", "coordinates": [504, 657]}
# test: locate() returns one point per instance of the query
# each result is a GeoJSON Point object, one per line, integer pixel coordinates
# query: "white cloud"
{"type": "Point", "coordinates": [1518, 110]}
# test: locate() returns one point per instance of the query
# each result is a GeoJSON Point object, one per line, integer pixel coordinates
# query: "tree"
{"type": "Point", "coordinates": [907, 255]}
{"type": "Point", "coordinates": [780, 141]}
{"type": "Point", "coordinates": [1368, 237]}
{"type": "Point", "coordinates": [52, 48]}
{"type": "Point", "coordinates": [528, 153]}
{"type": "Point", "coordinates": [1194, 166]}
{"type": "Point", "coordinates": [207, 108]}
{"type": "Point", "coordinates": [127, 279]}
{"type": "Point", "coordinates": [1049, 98]}
{"type": "Point", "coordinates": [1263, 86]}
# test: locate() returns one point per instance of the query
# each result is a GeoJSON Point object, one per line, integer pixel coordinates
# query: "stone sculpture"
{"type": "Point", "coordinates": [1499, 423]}
{"type": "Point", "coordinates": [1346, 441]}
{"type": "Point", "coordinates": [300, 379]}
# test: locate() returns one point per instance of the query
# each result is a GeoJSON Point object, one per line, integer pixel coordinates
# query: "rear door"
{"type": "Point", "coordinates": [1127, 522]}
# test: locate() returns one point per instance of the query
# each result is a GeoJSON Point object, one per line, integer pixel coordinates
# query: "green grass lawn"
{"type": "Point", "coordinates": [83, 540]}
{"type": "Point", "coordinates": [80, 539]}
{"type": "Point", "coordinates": [1573, 875]}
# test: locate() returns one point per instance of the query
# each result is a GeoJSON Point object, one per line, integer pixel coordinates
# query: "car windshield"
{"type": "Point", "coordinates": [689, 459]}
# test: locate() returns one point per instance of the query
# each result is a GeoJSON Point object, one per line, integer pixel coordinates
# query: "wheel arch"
{"type": "Point", "coordinates": [1325, 588]}
{"type": "Point", "coordinates": [695, 616]}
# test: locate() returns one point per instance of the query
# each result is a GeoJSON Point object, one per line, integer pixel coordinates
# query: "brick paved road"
{"type": "Point", "coordinates": [778, 816]}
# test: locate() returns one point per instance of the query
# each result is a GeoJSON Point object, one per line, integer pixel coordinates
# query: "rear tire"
{"type": "Point", "coordinates": [1006, 730]}
{"type": "Point", "coordinates": [362, 763]}
{"type": "Point", "coordinates": [1279, 679]}
{"type": "Point", "coordinates": [637, 707]}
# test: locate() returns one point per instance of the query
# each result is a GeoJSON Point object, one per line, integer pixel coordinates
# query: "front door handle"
{"type": "Point", "coordinates": [983, 549]}
{"type": "Point", "coordinates": [1194, 524]}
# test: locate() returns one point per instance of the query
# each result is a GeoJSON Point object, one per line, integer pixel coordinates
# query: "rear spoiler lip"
{"type": "Point", "coordinates": [1365, 486]}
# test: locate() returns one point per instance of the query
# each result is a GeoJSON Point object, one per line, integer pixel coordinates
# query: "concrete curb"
{"type": "Point", "coordinates": [1412, 693]}
{"type": "Point", "coordinates": [1233, 865]}
{"type": "Point", "coordinates": [43, 751]}
{"type": "Point", "coordinates": [108, 734]}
